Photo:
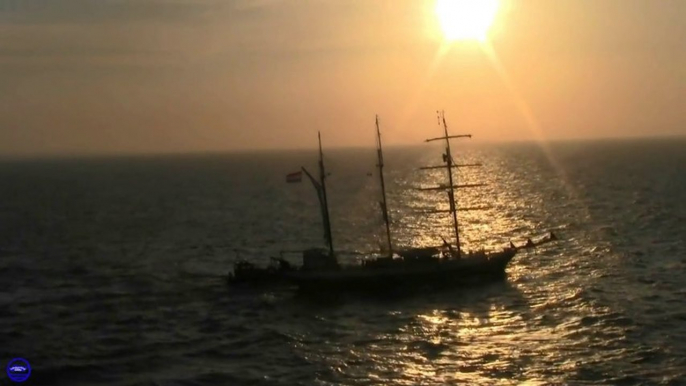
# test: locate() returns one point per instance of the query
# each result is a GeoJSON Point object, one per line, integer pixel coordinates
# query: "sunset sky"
{"type": "Point", "coordinates": [87, 76]}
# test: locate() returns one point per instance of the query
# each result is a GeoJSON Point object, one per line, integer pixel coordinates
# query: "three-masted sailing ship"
{"type": "Point", "coordinates": [413, 266]}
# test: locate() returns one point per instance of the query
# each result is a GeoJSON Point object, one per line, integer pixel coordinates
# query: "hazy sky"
{"type": "Point", "coordinates": [191, 75]}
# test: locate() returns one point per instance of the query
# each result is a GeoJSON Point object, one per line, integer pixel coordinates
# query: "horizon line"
{"type": "Point", "coordinates": [123, 154]}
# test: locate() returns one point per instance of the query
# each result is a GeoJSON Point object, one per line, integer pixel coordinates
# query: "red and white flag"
{"type": "Point", "coordinates": [294, 177]}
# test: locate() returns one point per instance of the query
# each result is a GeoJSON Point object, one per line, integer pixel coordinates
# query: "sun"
{"type": "Point", "coordinates": [466, 19]}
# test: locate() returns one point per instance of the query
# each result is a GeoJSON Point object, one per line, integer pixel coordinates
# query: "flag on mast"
{"type": "Point", "coordinates": [294, 177]}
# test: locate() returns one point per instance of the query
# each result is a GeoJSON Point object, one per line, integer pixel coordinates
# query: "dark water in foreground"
{"type": "Point", "coordinates": [112, 270]}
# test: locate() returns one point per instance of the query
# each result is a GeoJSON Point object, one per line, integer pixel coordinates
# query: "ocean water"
{"type": "Point", "coordinates": [113, 269]}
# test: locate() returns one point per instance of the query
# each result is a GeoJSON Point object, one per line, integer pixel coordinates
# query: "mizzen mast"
{"type": "Point", "coordinates": [325, 210]}
{"type": "Point", "coordinates": [320, 187]}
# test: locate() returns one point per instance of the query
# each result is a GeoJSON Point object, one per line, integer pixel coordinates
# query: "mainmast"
{"type": "Point", "coordinates": [450, 164]}
{"type": "Point", "coordinates": [383, 203]}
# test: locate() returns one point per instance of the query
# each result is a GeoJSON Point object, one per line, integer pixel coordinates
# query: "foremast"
{"type": "Point", "coordinates": [383, 203]}
{"type": "Point", "coordinates": [452, 180]}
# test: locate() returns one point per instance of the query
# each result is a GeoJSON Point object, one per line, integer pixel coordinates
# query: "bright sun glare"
{"type": "Point", "coordinates": [466, 19]}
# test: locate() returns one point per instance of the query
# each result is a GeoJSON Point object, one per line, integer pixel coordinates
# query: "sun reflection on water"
{"type": "Point", "coordinates": [535, 329]}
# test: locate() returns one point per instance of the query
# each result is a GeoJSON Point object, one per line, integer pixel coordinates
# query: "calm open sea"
{"type": "Point", "coordinates": [113, 269]}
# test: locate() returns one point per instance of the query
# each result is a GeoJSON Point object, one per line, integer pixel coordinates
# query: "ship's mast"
{"type": "Point", "coordinates": [383, 203]}
{"type": "Point", "coordinates": [452, 186]}
{"type": "Point", "coordinates": [320, 187]}
{"type": "Point", "coordinates": [325, 201]}
{"type": "Point", "coordinates": [451, 191]}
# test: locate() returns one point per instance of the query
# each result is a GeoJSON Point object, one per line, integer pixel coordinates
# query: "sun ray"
{"type": "Point", "coordinates": [531, 122]}
{"type": "Point", "coordinates": [416, 99]}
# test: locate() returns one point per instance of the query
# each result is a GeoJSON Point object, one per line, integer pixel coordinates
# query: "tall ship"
{"type": "Point", "coordinates": [446, 265]}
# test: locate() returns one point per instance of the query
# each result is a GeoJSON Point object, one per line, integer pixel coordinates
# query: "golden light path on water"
{"type": "Point", "coordinates": [485, 336]}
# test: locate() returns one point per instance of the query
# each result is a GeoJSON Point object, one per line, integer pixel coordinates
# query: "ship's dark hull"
{"type": "Point", "coordinates": [401, 275]}
{"type": "Point", "coordinates": [261, 277]}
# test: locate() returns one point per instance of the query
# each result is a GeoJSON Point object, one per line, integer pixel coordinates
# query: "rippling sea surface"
{"type": "Point", "coordinates": [113, 269]}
